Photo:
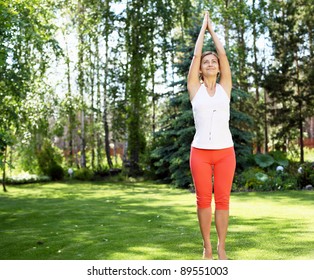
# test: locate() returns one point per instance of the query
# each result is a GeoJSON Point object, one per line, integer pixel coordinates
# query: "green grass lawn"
{"type": "Point", "coordinates": [147, 221]}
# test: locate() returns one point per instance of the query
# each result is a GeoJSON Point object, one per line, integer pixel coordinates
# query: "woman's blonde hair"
{"type": "Point", "coordinates": [209, 52]}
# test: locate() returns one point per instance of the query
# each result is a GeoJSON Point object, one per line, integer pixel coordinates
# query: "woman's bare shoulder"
{"type": "Point", "coordinates": [193, 90]}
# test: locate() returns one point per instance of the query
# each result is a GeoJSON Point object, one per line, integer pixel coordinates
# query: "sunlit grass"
{"type": "Point", "coordinates": [309, 154]}
{"type": "Point", "coordinates": [143, 220]}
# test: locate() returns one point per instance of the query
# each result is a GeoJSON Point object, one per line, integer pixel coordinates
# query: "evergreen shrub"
{"type": "Point", "coordinates": [49, 161]}
{"type": "Point", "coordinates": [56, 172]}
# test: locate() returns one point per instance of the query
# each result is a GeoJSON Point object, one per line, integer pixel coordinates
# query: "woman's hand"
{"type": "Point", "coordinates": [205, 20]}
{"type": "Point", "coordinates": [225, 72]}
{"type": "Point", "coordinates": [209, 23]}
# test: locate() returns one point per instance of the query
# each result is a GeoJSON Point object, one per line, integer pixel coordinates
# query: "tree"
{"type": "Point", "coordinates": [170, 155]}
{"type": "Point", "coordinates": [5, 141]}
{"type": "Point", "coordinates": [148, 26]}
{"type": "Point", "coordinates": [291, 101]}
{"type": "Point", "coordinates": [109, 18]}
{"type": "Point", "coordinates": [257, 22]}
{"type": "Point", "coordinates": [26, 42]}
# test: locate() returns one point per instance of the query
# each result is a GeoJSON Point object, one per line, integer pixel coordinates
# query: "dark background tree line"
{"type": "Point", "coordinates": [83, 82]}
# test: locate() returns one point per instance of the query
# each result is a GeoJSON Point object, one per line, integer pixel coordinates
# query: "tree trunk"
{"type": "Point", "coordinates": [300, 117]}
{"type": "Point", "coordinates": [154, 96]}
{"type": "Point", "coordinates": [105, 115]}
{"type": "Point", "coordinates": [81, 81]}
{"type": "Point", "coordinates": [83, 140]}
{"type": "Point", "coordinates": [105, 121]}
{"type": "Point", "coordinates": [98, 105]}
{"type": "Point", "coordinates": [136, 91]}
{"type": "Point", "coordinates": [70, 110]}
{"type": "Point", "coordinates": [265, 123]}
{"type": "Point", "coordinates": [4, 169]}
{"type": "Point", "coordinates": [92, 117]}
{"type": "Point", "coordinates": [256, 82]}
{"type": "Point", "coordinates": [226, 24]}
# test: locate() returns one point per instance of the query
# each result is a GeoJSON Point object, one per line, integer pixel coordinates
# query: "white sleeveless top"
{"type": "Point", "coordinates": [211, 118]}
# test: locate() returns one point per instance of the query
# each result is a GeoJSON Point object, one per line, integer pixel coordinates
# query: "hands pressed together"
{"type": "Point", "coordinates": [207, 22]}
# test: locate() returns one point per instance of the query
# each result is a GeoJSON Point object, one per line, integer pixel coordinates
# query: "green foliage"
{"type": "Point", "coordinates": [103, 172]}
{"type": "Point", "coordinates": [241, 126]}
{"type": "Point", "coordinates": [56, 172]}
{"type": "Point", "coordinates": [26, 48]}
{"type": "Point", "coordinates": [147, 43]}
{"type": "Point", "coordinates": [5, 141]}
{"type": "Point", "coordinates": [287, 81]}
{"type": "Point", "coordinates": [305, 175]}
{"type": "Point", "coordinates": [171, 151]}
{"type": "Point", "coordinates": [257, 179]}
{"type": "Point", "coordinates": [272, 172]}
{"type": "Point", "coordinates": [170, 155]}
{"type": "Point", "coordinates": [135, 63]}
{"type": "Point", "coordinates": [49, 161]}
{"type": "Point", "coordinates": [84, 174]}
{"type": "Point", "coordinates": [271, 160]}
{"type": "Point", "coordinates": [280, 158]}
{"type": "Point", "coordinates": [264, 160]}
{"type": "Point", "coordinates": [250, 179]}
{"type": "Point", "coordinates": [27, 179]}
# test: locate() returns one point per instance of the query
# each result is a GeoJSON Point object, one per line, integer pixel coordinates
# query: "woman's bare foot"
{"type": "Point", "coordinates": [207, 253]}
{"type": "Point", "coordinates": [221, 253]}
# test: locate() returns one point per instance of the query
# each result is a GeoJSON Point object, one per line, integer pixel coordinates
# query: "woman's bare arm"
{"type": "Point", "coordinates": [193, 82]}
{"type": "Point", "coordinates": [225, 72]}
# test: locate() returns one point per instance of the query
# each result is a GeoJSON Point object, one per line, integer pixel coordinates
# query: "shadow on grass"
{"type": "Point", "coordinates": [94, 222]}
{"type": "Point", "coordinates": [131, 221]}
{"type": "Point", "coordinates": [270, 239]}
{"type": "Point", "coordinates": [294, 197]}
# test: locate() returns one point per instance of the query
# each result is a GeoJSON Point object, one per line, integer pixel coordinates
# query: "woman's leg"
{"type": "Point", "coordinates": [205, 219]}
{"type": "Point", "coordinates": [223, 178]}
{"type": "Point", "coordinates": [221, 221]}
{"type": "Point", "coordinates": [201, 171]}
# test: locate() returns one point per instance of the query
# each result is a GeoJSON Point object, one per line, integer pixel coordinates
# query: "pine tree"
{"type": "Point", "coordinates": [170, 157]}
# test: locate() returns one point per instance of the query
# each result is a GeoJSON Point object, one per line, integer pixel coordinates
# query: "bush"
{"type": "Point", "coordinates": [271, 159]}
{"type": "Point", "coordinates": [256, 179]}
{"type": "Point", "coordinates": [270, 172]}
{"type": "Point", "coordinates": [84, 174]}
{"type": "Point", "coordinates": [305, 175]}
{"type": "Point", "coordinates": [25, 178]}
{"type": "Point", "coordinates": [280, 158]}
{"type": "Point", "coordinates": [102, 172]}
{"type": "Point", "coordinates": [49, 160]}
{"type": "Point", "coordinates": [264, 160]}
{"type": "Point", "coordinates": [281, 180]}
{"type": "Point", "coordinates": [250, 179]}
{"type": "Point", "coordinates": [56, 172]}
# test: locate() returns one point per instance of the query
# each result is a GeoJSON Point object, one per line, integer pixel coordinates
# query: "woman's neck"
{"type": "Point", "coordinates": [209, 83]}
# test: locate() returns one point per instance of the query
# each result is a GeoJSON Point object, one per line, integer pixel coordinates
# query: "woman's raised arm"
{"type": "Point", "coordinates": [193, 82]}
{"type": "Point", "coordinates": [225, 72]}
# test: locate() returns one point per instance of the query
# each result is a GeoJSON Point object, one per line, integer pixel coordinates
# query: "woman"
{"type": "Point", "coordinates": [212, 153]}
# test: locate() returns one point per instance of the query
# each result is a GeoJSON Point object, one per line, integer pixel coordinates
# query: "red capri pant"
{"type": "Point", "coordinates": [204, 165]}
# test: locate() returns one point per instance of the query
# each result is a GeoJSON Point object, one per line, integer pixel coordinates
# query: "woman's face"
{"type": "Point", "coordinates": [209, 65]}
